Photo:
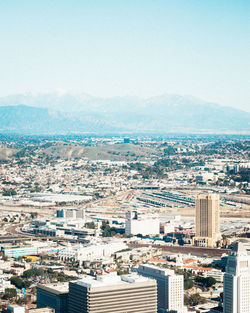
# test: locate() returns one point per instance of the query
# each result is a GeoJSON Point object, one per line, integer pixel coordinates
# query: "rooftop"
{"type": "Point", "coordinates": [157, 270]}
{"type": "Point", "coordinates": [242, 246]}
{"type": "Point", "coordinates": [111, 280]}
{"type": "Point", "coordinates": [55, 288]}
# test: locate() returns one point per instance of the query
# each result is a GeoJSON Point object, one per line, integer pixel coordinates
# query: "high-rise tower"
{"type": "Point", "coordinates": [236, 296]}
{"type": "Point", "coordinates": [170, 288]}
{"type": "Point", "coordinates": [207, 220]}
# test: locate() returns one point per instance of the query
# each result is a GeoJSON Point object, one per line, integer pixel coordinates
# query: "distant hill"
{"type": "Point", "coordinates": [51, 113]}
{"type": "Point", "coordinates": [116, 152]}
{"type": "Point", "coordinates": [32, 120]}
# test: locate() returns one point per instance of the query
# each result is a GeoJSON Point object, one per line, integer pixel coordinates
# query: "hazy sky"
{"type": "Point", "coordinates": [127, 47]}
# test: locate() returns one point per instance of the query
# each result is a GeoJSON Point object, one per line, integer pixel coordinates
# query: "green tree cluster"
{"type": "Point", "coordinates": [33, 272]}
{"type": "Point", "coordinates": [205, 281]}
{"type": "Point", "coordinates": [107, 231]}
{"type": "Point", "coordinates": [188, 283]}
{"type": "Point", "coordinates": [10, 293]}
{"type": "Point", "coordinates": [90, 225]}
{"type": "Point", "coordinates": [19, 282]}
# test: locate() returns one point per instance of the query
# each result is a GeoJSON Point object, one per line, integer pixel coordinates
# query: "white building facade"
{"type": "Point", "coordinates": [137, 223]}
{"type": "Point", "coordinates": [93, 252]}
{"type": "Point", "coordinates": [170, 288]}
{"type": "Point", "coordinates": [237, 280]}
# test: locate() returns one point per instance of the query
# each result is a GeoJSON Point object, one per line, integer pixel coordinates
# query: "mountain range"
{"type": "Point", "coordinates": [69, 113]}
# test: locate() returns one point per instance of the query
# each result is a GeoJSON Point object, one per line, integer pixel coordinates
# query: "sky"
{"type": "Point", "coordinates": [127, 47]}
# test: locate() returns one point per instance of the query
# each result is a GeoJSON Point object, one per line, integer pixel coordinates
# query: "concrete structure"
{"type": "Point", "coordinates": [113, 294]}
{"type": "Point", "coordinates": [49, 231]}
{"type": "Point", "coordinates": [140, 223]}
{"type": "Point", "coordinates": [71, 213]}
{"type": "Point", "coordinates": [231, 168]}
{"type": "Point", "coordinates": [170, 288]}
{"type": "Point", "coordinates": [237, 280]}
{"type": "Point", "coordinates": [207, 220]}
{"type": "Point", "coordinates": [205, 177]}
{"type": "Point", "coordinates": [54, 296]}
{"type": "Point", "coordinates": [93, 252]}
{"type": "Point", "coordinates": [16, 251]}
{"type": "Point", "coordinates": [42, 310]}
{"type": "Point", "coordinates": [15, 309]}
{"type": "Point", "coordinates": [216, 274]}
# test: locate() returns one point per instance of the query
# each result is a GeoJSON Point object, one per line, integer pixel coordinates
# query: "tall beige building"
{"type": "Point", "coordinates": [207, 220]}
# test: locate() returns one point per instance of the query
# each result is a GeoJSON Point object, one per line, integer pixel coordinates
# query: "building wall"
{"type": "Point", "coordinates": [92, 252]}
{"type": "Point", "coordinates": [207, 215]}
{"type": "Point", "coordinates": [111, 299]}
{"type": "Point", "coordinates": [16, 252]}
{"type": "Point", "coordinates": [236, 286]}
{"type": "Point", "coordinates": [207, 220]}
{"type": "Point", "coordinates": [59, 302]}
{"type": "Point", "coordinates": [144, 227]}
{"type": "Point", "coordinates": [169, 287]}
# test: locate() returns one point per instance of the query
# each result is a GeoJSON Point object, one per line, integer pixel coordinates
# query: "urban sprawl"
{"type": "Point", "coordinates": [125, 224]}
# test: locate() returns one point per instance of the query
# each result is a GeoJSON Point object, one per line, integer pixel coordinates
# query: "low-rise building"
{"type": "Point", "coordinates": [140, 223]}
{"type": "Point", "coordinates": [16, 251]}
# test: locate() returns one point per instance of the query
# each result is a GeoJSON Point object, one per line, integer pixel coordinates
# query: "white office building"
{"type": "Point", "coordinates": [170, 288]}
{"type": "Point", "coordinates": [141, 223]}
{"type": "Point", "coordinates": [237, 280]}
{"type": "Point", "coordinates": [113, 294]}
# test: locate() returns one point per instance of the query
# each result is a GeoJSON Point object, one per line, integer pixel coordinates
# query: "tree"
{"type": "Point", "coordinates": [205, 281]}
{"type": "Point", "coordinates": [33, 272]}
{"type": "Point", "coordinates": [19, 283]}
{"type": "Point", "coordinates": [122, 272]}
{"type": "Point", "coordinates": [210, 281]}
{"type": "Point", "coordinates": [107, 231]}
{"type": "Point", "coordinates": [10, 293]}
{"type": "Point", "coordinates": [188, 283]}
{"type": "Point", "coordinates": [90, 225]}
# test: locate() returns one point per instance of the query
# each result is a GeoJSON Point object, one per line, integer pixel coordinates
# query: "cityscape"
{"type": "Point", "coordinates": [138, 223]}
{"type": "Point", "coordinates": [124, 156]}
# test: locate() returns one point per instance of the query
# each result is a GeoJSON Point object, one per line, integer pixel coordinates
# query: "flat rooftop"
{"type": "Point", "coordinates": [55, 288]}
{"type": "Point", "coordinates": [111, 280]}
{"type": "Point", "coordinates": [156, 270]}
